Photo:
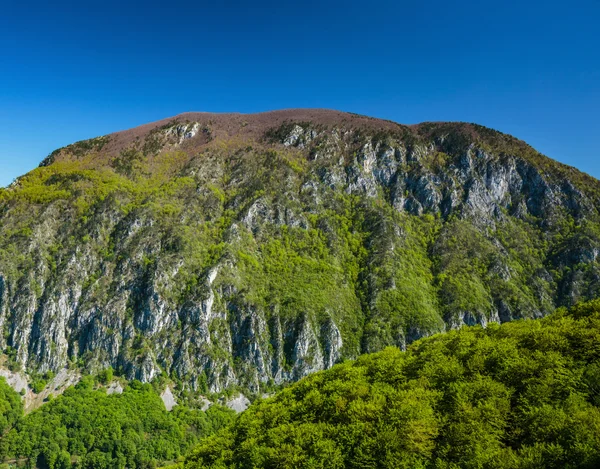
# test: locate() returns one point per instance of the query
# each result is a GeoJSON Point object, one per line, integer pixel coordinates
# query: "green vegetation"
{"type": "Point", "coordinates": [10, 406]}
{"type": "Point", "coordinates": [94, 430]}
{"type": "Point", "coordinates": [10, 356]}
{"type": "Point", "coordinates": [105, 376]}
{"type": "Point", "coordinates": [524, 394]}
{"type": "Point", "coordinates": [78, 149]}
{"type": "Point", "coordinates": [38, 383]}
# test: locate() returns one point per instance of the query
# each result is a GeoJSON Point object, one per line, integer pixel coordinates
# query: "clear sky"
{"type": "Point", "coordinates": [75, 70]}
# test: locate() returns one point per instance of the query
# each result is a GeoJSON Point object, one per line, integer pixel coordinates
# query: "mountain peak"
{"type": "Point", "coordinates": [220, 125]}
{"type": "Point", "coordinates": [191, 132]}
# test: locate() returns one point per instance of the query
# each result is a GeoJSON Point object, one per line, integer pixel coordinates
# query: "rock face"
{"type": "Point", "coordinates": [239, 403]}
{"type": "Point", "coordinates": [169, 399]}
{"type": "Point", "coordinates": [252, 249]}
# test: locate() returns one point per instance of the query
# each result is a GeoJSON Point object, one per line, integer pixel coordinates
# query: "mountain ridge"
{"type": "Point", "coordinates": [228, 124]}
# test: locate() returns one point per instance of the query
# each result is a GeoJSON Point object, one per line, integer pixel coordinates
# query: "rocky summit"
{"type": "Point", "coordinates": [227, 250]}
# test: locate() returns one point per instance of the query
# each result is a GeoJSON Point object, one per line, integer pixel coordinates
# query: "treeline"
{"type": "Point", "coordinates": [521, 395]}
{"type": "Point", "coordinates": [86, 428]}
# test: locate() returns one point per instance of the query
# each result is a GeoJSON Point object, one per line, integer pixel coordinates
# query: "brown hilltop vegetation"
{"type": "Point", "coordinates": [252, 127]}
{"type": "Point", "coordinates": [232, 124]}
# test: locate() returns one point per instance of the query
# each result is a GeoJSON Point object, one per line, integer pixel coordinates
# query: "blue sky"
{"type": "Point", "coordinates": [75, 70]}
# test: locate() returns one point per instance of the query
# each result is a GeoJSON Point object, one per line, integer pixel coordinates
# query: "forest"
{"type": "Point", "coordinates": [86, 428]}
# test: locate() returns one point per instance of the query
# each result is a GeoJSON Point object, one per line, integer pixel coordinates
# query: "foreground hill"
{"type": "Point", "coordinates": [520, 395]}
{"type": "Point", "coordinates": [227, 249]}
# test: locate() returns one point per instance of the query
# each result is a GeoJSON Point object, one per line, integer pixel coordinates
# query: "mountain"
{"type": "Point", "coordinates": [224, 250]}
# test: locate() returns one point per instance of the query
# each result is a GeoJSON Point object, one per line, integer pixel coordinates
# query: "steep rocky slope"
{"type": "Point", "coordinates": [230, 249]}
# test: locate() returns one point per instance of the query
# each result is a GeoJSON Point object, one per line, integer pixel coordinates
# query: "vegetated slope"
{"type": "Point", "coordinates": [524, 394]}
{"type": "Point", "coordinates": [95, 430]}
{"type": "Point", "coordinates": [248, 250]}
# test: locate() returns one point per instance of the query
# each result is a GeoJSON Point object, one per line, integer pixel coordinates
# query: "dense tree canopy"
{"type": "Point", "coordinates": [524, 394]}
{"type": "Point", "coordinates": [96, 430]}
{"type": "Point", "coordinates": [10, 406]}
